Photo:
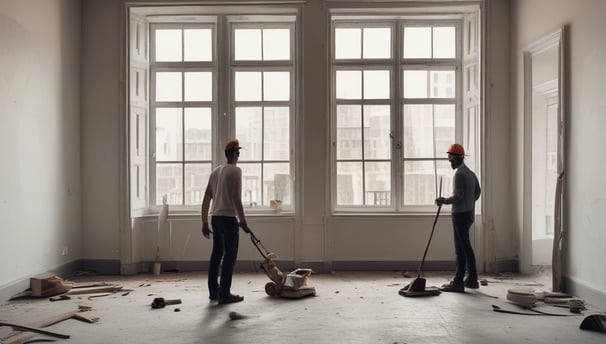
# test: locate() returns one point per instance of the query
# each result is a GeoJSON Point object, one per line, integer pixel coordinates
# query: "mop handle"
{"type": "Point", "coordinates": [433, 227]}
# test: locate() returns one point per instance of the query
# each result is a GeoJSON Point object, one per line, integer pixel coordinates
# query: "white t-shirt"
{"type": "Point", "coordinates": [224, 181]}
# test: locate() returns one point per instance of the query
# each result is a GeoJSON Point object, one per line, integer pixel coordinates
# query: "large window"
{"type": "Point", "coordinates": [396, 107]}
{"type": "Point", "coordinates": [212, 78]}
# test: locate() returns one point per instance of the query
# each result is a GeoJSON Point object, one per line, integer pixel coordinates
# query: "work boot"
{"type": "Point", "coordinates": [453, 287]}
{"type": "Point", "coordinates": [471, 283]}
{"type": "Point", "coordinates": [231, 298]}
{"type": "Point", "coordinates": [213, 295]}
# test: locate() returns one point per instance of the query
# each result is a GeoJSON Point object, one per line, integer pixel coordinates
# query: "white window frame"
{"type": "Point", "coordinates": [397, 64]}
{"type": "Point", "coordinates": [223, 65]}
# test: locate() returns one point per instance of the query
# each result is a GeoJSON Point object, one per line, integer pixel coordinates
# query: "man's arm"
{"type": "Point", "coordinates": [237, 199]}
{"type": "Point", "coordinates": [204, 213]}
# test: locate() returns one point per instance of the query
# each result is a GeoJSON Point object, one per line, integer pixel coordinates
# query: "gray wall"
{"type": "Point", "coordinates": [585, 237]}
{"type": "Point", "coordinates": [40, 211]}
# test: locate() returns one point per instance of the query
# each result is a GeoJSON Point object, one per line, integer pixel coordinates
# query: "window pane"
{"type": "Point", "coordinates": [445, 128]}
{"type": "Point", "coordinates": [276, 183]}
{"type": "Point", "coordinates": [248, 86]}
{"type": "Point", "coordinates": [248, 44]}
{"type": "Point", "coordinates": [168, 45]}
{"type": "Point", "coordinates": [418, 131]}
{"type": "Point", "coordinates": [417, 42]}
{"type": "Point", "coordinates": [419, 183]}
{"type": "Point", "coordinates": [276, 86]}
{"type": "Point", "coordinates": [169, 136]}
{"type": "Point", "coordinates": [169, 182]}
{"type": "Point", "coordinates": [198, 45]}
{"type": "Point", "coordinates": [347, 43]}
{"type": "Point", "coordinates": [442, 83]}
{"type": "Point", "coordinates": [249, 132]}
{"type": "Point", "coordinates": [198, 86]}
{"type": "Point", "coordinates": [349, 84]}
{"type": "Point", "coordinates": [168, 86]}
{"type": "Point", "coordinates": [444, 42]}
{"type": "Point", "coordinates": [349, 133]}
{"type": "Point", "coordinates": [349, 183]}
{"type": "Point", "coordinates": [376, 84]}
{"type": "Point", "coordinates": [196, 179]}
{"type": "Point", "coordinates": [276, 143]}
{"type": "Point", "coordinates": [377, 43]}
{"type": "Point", "coordinates": [376, 132]}
{"type": "Point", "coordinates": [276, 44]}
{"type": "Point", "coordinates": [378, 183]}
{"type": "Point", "coordinates": [415, 84]}
{"type": "Point", "coordinates": [198, 134]}
{"type": "Point", "coordinates": [251, 185]}
{"type": "Point", "coordinates": [446, 173]}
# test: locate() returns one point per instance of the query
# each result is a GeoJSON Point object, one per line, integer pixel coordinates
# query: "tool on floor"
{"type": "Point", "coordinates": [160, 302]}
{"type": "Point", "coordinates": [291, 285]}
{"type": "Point", "coordinates": [417, 286]}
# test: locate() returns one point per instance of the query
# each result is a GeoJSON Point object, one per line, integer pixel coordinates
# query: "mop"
{"type": "Point", "coordinates": [417, 286]}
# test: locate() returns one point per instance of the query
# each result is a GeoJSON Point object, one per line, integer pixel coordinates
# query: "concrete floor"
{"type": "Point", "coordinates": [350, 307]}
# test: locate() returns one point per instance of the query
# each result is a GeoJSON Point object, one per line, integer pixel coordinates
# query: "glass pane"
{"type": "Point", "coordinates": [418, 131]}
{"type": "Point", "coordinates": [444, 116]}
{"type": "Point", "coordinates": [348, 43]}
{"type": "Point", "coordinates": [349, 183]}
{"type": "Point", "coordinates": [445, 172]}
{"type": "Point", "coordinates": [276, 143]}
{"type": "Point", "coordinates": [276, 86]}
{"type": "Point", "coordinates": [442, 83]}
{"type": "Point", "coordinates": [378, 183]}
{"type": "Point", "coordinates": [417, 42]}
{"type": "Point", "coordinates": [169, 183]}
{"type": "Point", "coordinates": [168, 86]}
{"type": "Point", "coordinates": [444, 43]}
{"type": "Point", "coordinates": [198, 134]}
{"type": "Point", "coordinates": [376, 132]}
{"type": "Point", "coordinates": [276, 44]}
{"type": "Point", "coordinates": [169, 137]}
{"type": "Point", "coordinates": [168, 45]}
{"type": "Point", "coordinates": [349, 133]}
{"type": "Point", "coordinates": [198, 45]}
{"type": "Point", "coordinates": [419, 183]}
{"type": "Point", "coordinates": [349, 84]}
{"type": "Point", "coordinates": [276, 183]}
{"type": "Point", "coordinates": [248, 86]}
{"type": "Point", "coordinates": [415, 84]}
{"type": "Point", "coordinates": [377, 43]}
{"type": "Point", "coordinates": [249, 131]}
{"type": "Point", "coordinates": [376, 84]}
{"type": "Point", "coordinates": [251, 185]}
{"type": "Point", "coordinates": [198, 86]}
{"type": "Point", "coordinates": [196, 179]}
{"type": "Point", "coordinates": [248, 44]}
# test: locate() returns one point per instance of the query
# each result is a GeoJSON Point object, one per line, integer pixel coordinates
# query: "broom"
{"type": "Point", "coordinates": [418, 284]}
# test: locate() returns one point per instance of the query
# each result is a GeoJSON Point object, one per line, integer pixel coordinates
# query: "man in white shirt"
{"type": "Point", "coordinates": [225, 190]}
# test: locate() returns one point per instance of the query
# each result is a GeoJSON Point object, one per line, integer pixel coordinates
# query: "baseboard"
{"type": "Point", "coordinates": [13, 288]}
{"type": "Point", "coordinates": [510, 265]}
{"type": "Point", "coordinates": [580, 289]}
{"type": "Point", "coordinates": [434, 265]}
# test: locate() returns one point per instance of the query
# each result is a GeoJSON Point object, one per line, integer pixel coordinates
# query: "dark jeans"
{"type": "Point", "coordinates": [225, 248]}
{"type": "Point", "coordinates": [461, 222]}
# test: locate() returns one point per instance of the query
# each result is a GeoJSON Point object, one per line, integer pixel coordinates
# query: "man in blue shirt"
{"type": "Point", "coordinates": [466, 191]}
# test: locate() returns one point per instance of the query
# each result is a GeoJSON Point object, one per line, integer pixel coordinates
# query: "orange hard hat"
{"type": "Point", "coordinates": [232, 145]}
{"type": "Point", "coordinates": [456, 149]}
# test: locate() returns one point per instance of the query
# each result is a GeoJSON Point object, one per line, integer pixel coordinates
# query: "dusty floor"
{"type": "Point", "coordinates": [350, 307]}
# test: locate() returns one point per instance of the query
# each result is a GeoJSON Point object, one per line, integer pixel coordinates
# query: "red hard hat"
{"type": "Point", "coordinates": [456, 149]}
{"type": "Point", "coordinates": [232, 145]}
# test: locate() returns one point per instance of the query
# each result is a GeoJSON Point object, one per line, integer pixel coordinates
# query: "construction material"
{"type": "Point", "coordinates": [418, 285]}
{"type": "Point", "coordinates": [522, 297]}
{"type": "Point", "coordinates": [47, 284]}
{"type": "Point", "coordinates": [36, 330]}
{"type": "Point", "coordinates": [160, 302]}
{"type": "Point", "coordinates": [558, 235]}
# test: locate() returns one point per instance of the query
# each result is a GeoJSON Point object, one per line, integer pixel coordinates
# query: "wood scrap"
{"type": "Point", "coordinates": [96, 290]}
{"type": "Point", "coordinates": [36, 330]}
